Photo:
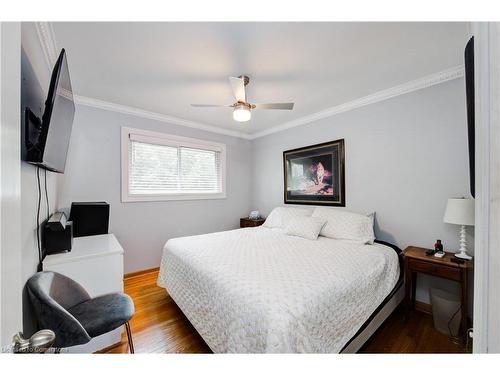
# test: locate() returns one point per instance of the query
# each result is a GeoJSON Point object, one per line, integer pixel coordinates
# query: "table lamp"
{"type": "Point", "coordinates": [460, 211]}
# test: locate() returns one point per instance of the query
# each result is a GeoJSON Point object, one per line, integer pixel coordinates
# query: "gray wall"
{"type": "Point", "coordinates": [404, 157]}
{"type": "Point", "coordinates": [93, 172]}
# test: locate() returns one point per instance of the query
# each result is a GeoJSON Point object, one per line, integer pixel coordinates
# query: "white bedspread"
{"type": "Point", "coordinates": [258, 290]}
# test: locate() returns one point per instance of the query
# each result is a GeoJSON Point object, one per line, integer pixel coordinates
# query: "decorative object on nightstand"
{"type": "Point", "coordinates": [416, 261]}
{"type": "Point", "coordinates": [460, 211]}
{"type": "Point", "coordinates": [246, 222]}
{"type": "Point", "coordinates": [254, 215]}
{"type": "Point", "coordinates": [438, 249]}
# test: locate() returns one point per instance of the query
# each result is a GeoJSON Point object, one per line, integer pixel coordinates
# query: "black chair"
{"type": "Point", "coordinates": [64, 306]}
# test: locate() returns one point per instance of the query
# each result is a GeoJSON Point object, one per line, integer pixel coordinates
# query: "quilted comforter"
{"type": "Point", "coordinates": [256, 290]}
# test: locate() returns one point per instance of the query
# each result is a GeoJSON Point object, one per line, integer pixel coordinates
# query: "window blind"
{"type": "Point", "coordinates": [156, 169]}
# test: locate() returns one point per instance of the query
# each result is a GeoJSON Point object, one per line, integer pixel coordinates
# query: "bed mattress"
{"type": "Point", "coordinates": [257, 290]}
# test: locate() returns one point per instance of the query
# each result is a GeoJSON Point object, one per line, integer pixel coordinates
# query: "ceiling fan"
{"type": "Point", "coordinates": [241, 108]}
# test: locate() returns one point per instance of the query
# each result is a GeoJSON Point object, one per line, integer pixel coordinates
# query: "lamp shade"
{"type": "Point", "coordinates": [459, 211]}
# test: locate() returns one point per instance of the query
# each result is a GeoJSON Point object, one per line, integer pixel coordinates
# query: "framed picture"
{"type": "Point", "coordinates": [315, 174]}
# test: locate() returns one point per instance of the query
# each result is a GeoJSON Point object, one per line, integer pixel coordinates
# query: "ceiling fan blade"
{"type": "Point", "coordinates": [211, 105]}
{"type": "Point", "coordinates": [288, 106]}
{"type": "Point", "coordinates": [238, 86]}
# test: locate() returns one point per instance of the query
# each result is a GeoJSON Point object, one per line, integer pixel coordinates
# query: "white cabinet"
{"type": "Point", "coordinates": [95, 262]}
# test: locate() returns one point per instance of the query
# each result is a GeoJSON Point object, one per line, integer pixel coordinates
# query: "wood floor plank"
{"type": "Point", "coordinates": [159, 326]}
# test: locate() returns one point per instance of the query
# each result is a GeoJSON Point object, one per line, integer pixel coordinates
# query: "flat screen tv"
{"type": "Point", "coordinates": [469, 90]}
{"type": "Point", "coordinates": [47, 139]}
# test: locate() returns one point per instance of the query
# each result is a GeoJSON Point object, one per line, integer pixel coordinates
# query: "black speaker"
{"type": "Point", "coordinates": [89, 218]}
{"type": "Point", "coordinates": [57, 240]}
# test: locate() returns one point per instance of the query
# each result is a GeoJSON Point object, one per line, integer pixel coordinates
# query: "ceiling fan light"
{"type": "Point", "coordinates": [242, 113]}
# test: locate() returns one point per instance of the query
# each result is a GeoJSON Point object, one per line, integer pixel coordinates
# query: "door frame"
{"type": "Point", "coordinates": [10, 182]}
{"type": "Point", "coordinates": [486, 321]}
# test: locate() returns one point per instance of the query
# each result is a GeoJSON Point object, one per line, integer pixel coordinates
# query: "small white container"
{"type": "Point", "coordinates": [444, 307]}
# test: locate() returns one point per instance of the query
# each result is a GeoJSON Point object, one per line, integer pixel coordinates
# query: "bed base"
{"type": "Point", "coordinates": [376, 321]}
{"type": "Point", "coordinates": [383, 311]}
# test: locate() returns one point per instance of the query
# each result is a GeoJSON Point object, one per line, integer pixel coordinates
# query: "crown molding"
{"type": "Point", "coordinates": [101, 104]}
{"type": "Point", "coordinates": [48, 42]}
{"type": "Point", "coordinates": [49, 47]}
{"type": "Point", "coordinates": [405, 88]}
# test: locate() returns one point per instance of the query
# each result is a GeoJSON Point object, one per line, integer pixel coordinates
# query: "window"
{"type": "Point", "coordinates": [157, 166]}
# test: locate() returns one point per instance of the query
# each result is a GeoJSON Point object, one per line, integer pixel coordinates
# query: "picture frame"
{"type": "Point", "coordinates": [315, 175]}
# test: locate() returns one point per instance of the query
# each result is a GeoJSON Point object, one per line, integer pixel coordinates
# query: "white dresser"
{"type": "Point", "coordinates": [95, 262]}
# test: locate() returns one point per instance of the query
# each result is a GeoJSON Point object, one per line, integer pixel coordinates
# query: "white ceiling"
{"type": "Point", "coordinates": [163, 67]}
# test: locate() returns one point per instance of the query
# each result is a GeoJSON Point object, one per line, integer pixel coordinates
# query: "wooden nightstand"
{"type": "Point", "coordinates": [417, 261]}
{"type": "Point", "coordinates": [245, 222]}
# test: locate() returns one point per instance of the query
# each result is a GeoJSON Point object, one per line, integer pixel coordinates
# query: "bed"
{"type": "Point", "coordinates": [258, 290]}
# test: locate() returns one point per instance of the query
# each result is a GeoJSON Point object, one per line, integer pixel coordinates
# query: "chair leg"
{"type": "Point", "coordinates": [129, 337]}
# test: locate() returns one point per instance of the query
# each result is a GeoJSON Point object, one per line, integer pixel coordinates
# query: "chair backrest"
{"type": "Point", "coordinates": [51, 294]}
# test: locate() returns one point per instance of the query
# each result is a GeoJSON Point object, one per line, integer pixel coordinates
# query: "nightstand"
{"type": "Point", "coordinates": [417, 261]}
{"type": "Point", "coordinates": [245, 222]}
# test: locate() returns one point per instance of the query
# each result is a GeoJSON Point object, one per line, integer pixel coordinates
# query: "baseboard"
{"type": "Point", "coordinates": [423, 307]}
{"type": "Point", "coordinates": [142, 272]}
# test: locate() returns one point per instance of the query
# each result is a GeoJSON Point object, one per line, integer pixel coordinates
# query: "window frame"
{"type": "Point", "coordinates": [167, 140]}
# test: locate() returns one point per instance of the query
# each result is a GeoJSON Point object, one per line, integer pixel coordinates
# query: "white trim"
{"type": "Point", "coordinates": [174, 141]}
{"type": "Point", "coordinates": [494, 234]}
{"type": "Point", "coordinates": [173, 197]}
{"type": "Point", "coordinates": [419, 84]}
{"type": "Point", "coordinates": [1, 192]}
{"type": "Point", "coordinates": [49, 46]}
{"type": "Point", "coordinates": [101, 104]}
{"type": "Point", "coordinates": [405, 88]}
{"type": "Point", "coordinates": [12, 271]}
{"type": "Point", "coordinates": [48, 42]}
{"type": "Point", "coordinates": [482, 212]}
{"type": "Point", "coordinates": [487, 209]}
{"type": "Point", "coordinates": [167, 139]}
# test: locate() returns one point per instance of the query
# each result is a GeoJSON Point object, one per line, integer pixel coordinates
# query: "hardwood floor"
{"type": "Point", "coordinates": [415, 334]}
{"type": "Point", "coordinates": [159, 326]}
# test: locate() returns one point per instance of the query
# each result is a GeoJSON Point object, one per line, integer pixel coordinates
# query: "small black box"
{"type": "Point", "coordinates": [57, 241]}
{"type": "Point", "coordinates": [89, 218]}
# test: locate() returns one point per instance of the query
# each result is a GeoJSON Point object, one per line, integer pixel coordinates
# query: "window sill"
{"type": "Point", "coordinates": [173, 197]}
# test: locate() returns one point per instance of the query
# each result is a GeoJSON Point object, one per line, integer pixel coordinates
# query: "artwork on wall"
{"type": "Point", "coordinates": [315, 174]}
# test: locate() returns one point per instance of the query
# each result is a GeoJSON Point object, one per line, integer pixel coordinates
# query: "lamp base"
{"type": "Point", "coordinates": [463, 255]}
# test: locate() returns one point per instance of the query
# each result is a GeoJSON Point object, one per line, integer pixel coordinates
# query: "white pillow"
{"type": "Point", "coordinates": [345, 225]}
{"type": "Point", "coordinates": [306, 227]}
{"type": "Point", "coordinates": [280, 216]}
